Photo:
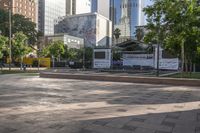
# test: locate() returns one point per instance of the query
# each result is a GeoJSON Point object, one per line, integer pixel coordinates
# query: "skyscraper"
{"type": "Point", "coordinates": [49, 12]}
{"type": "Point", "coordinates": [102, 7]}
{"type": "Point", "coordinates": [131, 16]}
{"type": "Point", "coordinates": [26, 8]}
{"type": "Point", "coordinates": [78, 7]}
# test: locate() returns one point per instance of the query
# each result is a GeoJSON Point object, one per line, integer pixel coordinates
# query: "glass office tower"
{"type": "Point", "coordinates": [102, 7]}
{"type": "Point", "coordinates": [49, 12]}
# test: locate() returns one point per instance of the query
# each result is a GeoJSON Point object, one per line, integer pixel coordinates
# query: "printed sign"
{"type": "Point", "coordinates": [102, 58]}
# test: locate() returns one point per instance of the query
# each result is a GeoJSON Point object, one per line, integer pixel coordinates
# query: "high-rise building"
{"type": "Point", "coordinates": [49, 12]}
{"type": "Point", "coordinates": [131, 15]}
{"type": "Point", "coordinates": [102, 7]}
{"type": "Point", "coordinates": [113, 13]}
{"type": "Point", "coordinates": [74, 7]}
{"type": "Point", "coordinates": [27, 8]}
{"type": "Point", "coordinates": [95, 29]}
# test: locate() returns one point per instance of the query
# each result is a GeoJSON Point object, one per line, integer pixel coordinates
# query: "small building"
{"type": "Point", "coordinates": [70, 41]}
{"type": "Point", "coordinates": [95, 29]}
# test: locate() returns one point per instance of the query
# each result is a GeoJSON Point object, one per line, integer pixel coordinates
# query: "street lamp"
{"type": "Point", "coordinates": [10, 33]}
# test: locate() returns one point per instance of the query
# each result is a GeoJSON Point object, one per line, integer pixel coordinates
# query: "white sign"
{"type": "Point", "coordinates": [151, 61]}
{"type": "Point", "coordinates": [168, 64]}
{"type": "Point", "coordinates": [102, 58]}
{"type": "Point", "coordinates": [138, 60]}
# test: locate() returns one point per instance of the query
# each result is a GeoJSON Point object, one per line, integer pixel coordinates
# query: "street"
{"type": "Point", "coordinates": [29, 104]}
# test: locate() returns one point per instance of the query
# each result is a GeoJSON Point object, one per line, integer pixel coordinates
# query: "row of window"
{"type": "Point", "coordinates": [30, 2]}
{"type": "Point", "coordinates": [129, 5]}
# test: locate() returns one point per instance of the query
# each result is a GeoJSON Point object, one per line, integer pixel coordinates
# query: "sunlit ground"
{"type": "Point", "coordinates": [29, 104]}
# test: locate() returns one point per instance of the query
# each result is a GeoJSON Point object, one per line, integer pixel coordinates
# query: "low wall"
{"type": "Point", "coordinates": [129, 79]}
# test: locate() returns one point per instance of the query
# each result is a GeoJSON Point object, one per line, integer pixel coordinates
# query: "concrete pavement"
{"type": "Point", "coordinates": [29, 104]}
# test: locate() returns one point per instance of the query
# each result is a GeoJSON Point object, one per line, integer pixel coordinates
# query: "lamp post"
{"type": "Point", "coordinates": [10, 33]}
{"type": "Point", "coordinates": [84, 57]}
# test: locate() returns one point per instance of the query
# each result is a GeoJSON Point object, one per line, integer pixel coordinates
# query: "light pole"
{"type": "Point", "coordinates": [158, 60]}
{"type": "Point", "coordinates": [10, 34]}
{"type": "Point", "coordinates": [158, 52]}
{"type": "Point", "coordinates": [84, 57]}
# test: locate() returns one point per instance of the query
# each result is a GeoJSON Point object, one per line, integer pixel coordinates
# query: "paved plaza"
{"type": "Point", "coordinates": [29, 104]}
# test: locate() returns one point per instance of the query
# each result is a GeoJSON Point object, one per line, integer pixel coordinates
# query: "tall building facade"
{"type": "Point", "coordinates": [74, 7]}
{"type": "Point", "coordinates": [49, 12]}
{"type": "Point", "coordinates": [102, 7]}
{"type": "Point", "coordinates": [27, 8]}
{"type": "Point", "coordinates": [131, 15]}
{"type": "Point", "coordinates": [95, 29]}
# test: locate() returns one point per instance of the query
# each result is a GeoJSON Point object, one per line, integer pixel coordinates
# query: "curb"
{"type": "Point", "coordinates": [128, 79]}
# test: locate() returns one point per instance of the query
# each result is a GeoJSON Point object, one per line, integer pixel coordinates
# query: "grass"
{"type": "Point", "coordinates": [187, 75]}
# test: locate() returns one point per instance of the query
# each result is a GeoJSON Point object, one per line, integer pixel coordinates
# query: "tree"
{"type": "Point", "coordinates": [184, 27]}
{"type": "Point", "coordinates": [139, 34]}
{"type": "Point", "coordinates": [116, 54]}
{"type": "Point", "coordinates": [117, 33]}
{"type": "Point", "coordinates": [4, 25]}
{"type": "Point", "coordinates": [20, 47]}
{"type": "Point", "coordinates": [157, 31]}
{"type": "Point", "coordinates": [175, 25]}
{"type": "Point", "coordinates": [75, 54]}
{"type": "Point", "coordinates": [19, 24]}
{"type": "Point", "coordinates": [3, 41]}
{"type": "Point", "coordinates": [56, 49]}
{"type": "Point", "coordinates": [88, 54]}
{"type": "Point", "coordinates": [45, 52]}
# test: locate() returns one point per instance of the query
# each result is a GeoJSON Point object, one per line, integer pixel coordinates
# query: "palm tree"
{"type": "Point", "coordinates": [139, 34]}
{"type": "Point", "coordinates": [117, 33]}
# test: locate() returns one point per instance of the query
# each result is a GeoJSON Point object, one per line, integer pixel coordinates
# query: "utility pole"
{"type": "Point", "coordinates": [158, 52]}
{"type": "Point", "coordinates": [84, 56]}
{"type": "Point", "coordinates": [113, 26]}
{"type": "Point", "coordinates": [158, 60]}
{"type": "Point", "coordinates": [10, 34]}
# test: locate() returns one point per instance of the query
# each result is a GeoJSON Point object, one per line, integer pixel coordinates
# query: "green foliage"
{"type": "Point", "coordinates": [116, 54]}
{"type": "Point", "coordinates": [72, 54]}
{"type": "Point", "coordinates": [88, 54]}
{"type": "Point", "coordinates": [44, 52]}
{"type": "Point", "coordinates": [4, 22]}
{"type": "Point", "coordinates": [61, 51]}
{"type": "Point", "coordinates": [117, 33]}
{"type": "Point", "coordinates": [19, 24]}
{"type": "Point", "coordinates": [3, 41]}
{"type": "Point", "coordinates": [175, 25]}
{"type": "Point", "coordinates": [139, 34]}
{"type": "Point", "coordinates": [19, 46]}
{"type": "Point", "coordinates": [56, 49]}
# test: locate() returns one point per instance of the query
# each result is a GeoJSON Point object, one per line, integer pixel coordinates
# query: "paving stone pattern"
{"type": "Point", "coordinates": [29, 104]}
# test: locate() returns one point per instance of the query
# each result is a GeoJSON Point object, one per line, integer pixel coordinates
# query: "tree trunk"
{"type": "Point", "coordinates": [194, 67]}
{"type": "Point", "coordinates": [186, 65]}
{"type": "Point", "coordinates": [21, 63]}
{"type": "Point", "coordinates": [190, 67]}
{"type": "Point", "coordinates": [182, 56]}
{"type": "Point", "coordinates": [53, 59]}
